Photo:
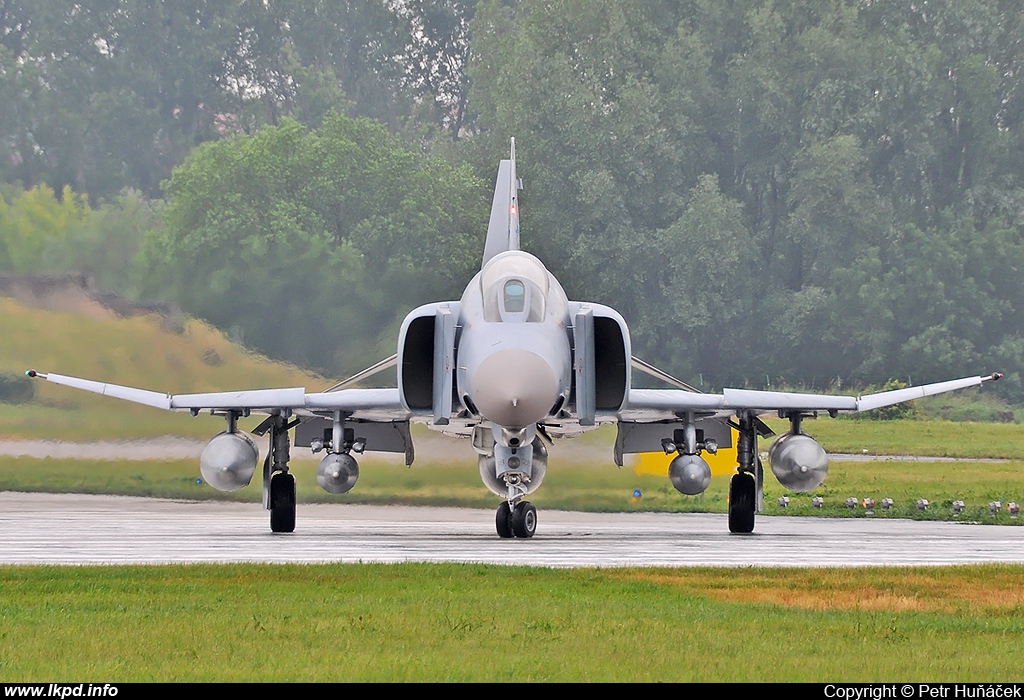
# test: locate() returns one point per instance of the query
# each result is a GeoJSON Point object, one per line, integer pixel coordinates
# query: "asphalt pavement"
{"type": "Point", "coordinates": [84, 529]}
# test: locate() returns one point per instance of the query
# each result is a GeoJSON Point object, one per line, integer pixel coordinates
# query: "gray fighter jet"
{"type": "Point", "coordinates": [510, 366]}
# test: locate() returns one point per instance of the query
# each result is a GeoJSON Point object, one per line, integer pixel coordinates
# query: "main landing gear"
{"type": "Point", "coordinates": [742, 502]}
{"type": "Point", "coordinates": [745, 487]}
{"type": "Point", "coordinates": [282, 502]}
{"type": "Point", "coordinates": [278, 482]}
{"type": "Point", "coordinates": [516, 521]}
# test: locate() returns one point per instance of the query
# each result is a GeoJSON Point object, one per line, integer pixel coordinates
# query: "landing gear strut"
{"type": "Point", "coordinates": [516, 521]}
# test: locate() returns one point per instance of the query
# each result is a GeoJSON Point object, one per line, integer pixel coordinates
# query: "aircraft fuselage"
{"type": "Point", "coordinates": [514, 357]}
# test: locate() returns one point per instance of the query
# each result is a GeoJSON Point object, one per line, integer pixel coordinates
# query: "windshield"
{"type": "Point", "coordinates": [515, 296]}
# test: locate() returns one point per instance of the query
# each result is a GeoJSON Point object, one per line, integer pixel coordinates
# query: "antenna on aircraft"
{"type": "Point", "coordinates": [513, 195]}
{"type": "Point", "coordinates": [517, 181]}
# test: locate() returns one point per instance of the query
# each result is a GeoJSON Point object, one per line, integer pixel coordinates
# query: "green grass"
{"type": "Point", "coordinates": [970, 405]}
{"type": "Point", "coordinates": [584, 487]}
{"type": "Point", "coordinates": [419, 622]}
{"type": "Point", "coordinates": [89, 423]}
{"type": "Point", "coordinates": [932, 438]}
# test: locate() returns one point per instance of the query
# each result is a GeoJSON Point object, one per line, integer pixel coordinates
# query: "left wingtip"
{"type": "Point", "coordinates": [995, 376]}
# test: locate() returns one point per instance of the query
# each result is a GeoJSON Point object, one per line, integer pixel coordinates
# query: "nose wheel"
{"type": "Point", "coordinates": [503, 521]}
{"type": "Point", "coordinates": [520, 521]}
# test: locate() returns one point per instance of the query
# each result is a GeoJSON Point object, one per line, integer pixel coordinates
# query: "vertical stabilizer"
{"type": "Point", "coordinates": [503, 229]}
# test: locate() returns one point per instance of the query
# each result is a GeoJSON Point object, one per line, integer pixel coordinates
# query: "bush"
{"type": "Point", "coordinates": [16, 388]}
{"type": "Point", "coordinates": [900, 411]}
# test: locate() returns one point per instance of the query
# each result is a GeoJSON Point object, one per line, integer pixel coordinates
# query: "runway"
{"type": "Point", "coordinates": [81, 529]}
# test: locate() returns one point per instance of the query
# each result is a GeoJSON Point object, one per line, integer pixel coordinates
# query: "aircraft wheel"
{"type": "Point", "coordinates": [524, 519]}
{"type": "Point", "coordinates": [282, 502]}
{"type": "Point", "coordinates": [742, 503]}
{"type": "Point", "coordinates": [503, 521]}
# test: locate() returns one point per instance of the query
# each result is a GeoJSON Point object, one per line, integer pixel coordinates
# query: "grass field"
{"type": "Point", "coordinates": [587, 487]}
{"type": "Point", "coordinates": [487, 623]}
{"type": "Point", "coordinates": [932, 438]}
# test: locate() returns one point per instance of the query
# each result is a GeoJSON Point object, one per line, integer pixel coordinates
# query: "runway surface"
{"type": "Point", "coordinates": [80, 529]}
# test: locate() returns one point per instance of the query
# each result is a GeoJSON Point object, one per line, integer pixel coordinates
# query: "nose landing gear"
{"type": "Point", "coordinates": [516, 521]}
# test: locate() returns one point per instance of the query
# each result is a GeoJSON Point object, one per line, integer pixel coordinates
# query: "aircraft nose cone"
{"type": "Point", "coordinates": [514, 388]}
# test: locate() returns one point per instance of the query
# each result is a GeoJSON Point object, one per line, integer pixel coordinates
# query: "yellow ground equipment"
{"type": "Point", "coordinates": [656, 463]}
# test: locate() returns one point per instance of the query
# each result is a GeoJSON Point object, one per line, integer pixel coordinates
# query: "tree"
{"type": "Point", "coordinates": [33, 222]}
{"type": "Point", "coordinates": [707, 283]}
{"type": "Point", "coordinates": [313, 243]}
{"type": "Point", "coordinates": [873, 149]}
{"type": "Point", "coordinates": [436, 57]}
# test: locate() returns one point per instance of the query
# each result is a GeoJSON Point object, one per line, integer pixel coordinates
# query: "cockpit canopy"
{"type": "Point", "coordinates": [515, 288]}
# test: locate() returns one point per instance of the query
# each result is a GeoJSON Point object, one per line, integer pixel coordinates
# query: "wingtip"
{"type": "Point", "coordinates": [994, 377]}
{"type": "Point", "coordinates": [33, 374]}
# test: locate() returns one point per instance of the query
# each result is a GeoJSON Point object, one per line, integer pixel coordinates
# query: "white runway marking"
{"type": "Point", "coordinates": [79, 529]}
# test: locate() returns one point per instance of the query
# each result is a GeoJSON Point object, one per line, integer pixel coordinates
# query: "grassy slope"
{"type": "Point", "coordinates": [131, 351]}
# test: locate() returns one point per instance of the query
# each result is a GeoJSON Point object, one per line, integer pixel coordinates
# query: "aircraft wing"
{"type": "Point", "coordinates": [382, 405]}
{"type": "Point", "coordinates": [656, 404]}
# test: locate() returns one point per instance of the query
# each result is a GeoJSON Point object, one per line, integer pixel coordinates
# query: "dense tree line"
{"type": "Point", "coordinates": [106, 94]}
{"type": "Point", "coordinates": [798, 188]}
{"type": "Point", "coordinates": [793, 190]}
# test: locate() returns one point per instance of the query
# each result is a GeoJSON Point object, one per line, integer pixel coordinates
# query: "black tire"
{"type": "Point", "coordinates": [524, 519]}
{"type": "Point", "coordinates": [742, 503]}
{"type": "Point", "coordinates": [282, 502]}
{"type": "Point", "coordinates": [503, 521]}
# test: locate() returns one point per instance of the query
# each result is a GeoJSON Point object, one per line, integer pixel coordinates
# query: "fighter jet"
{"type": "Point", "coordinates": [511, 366]}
